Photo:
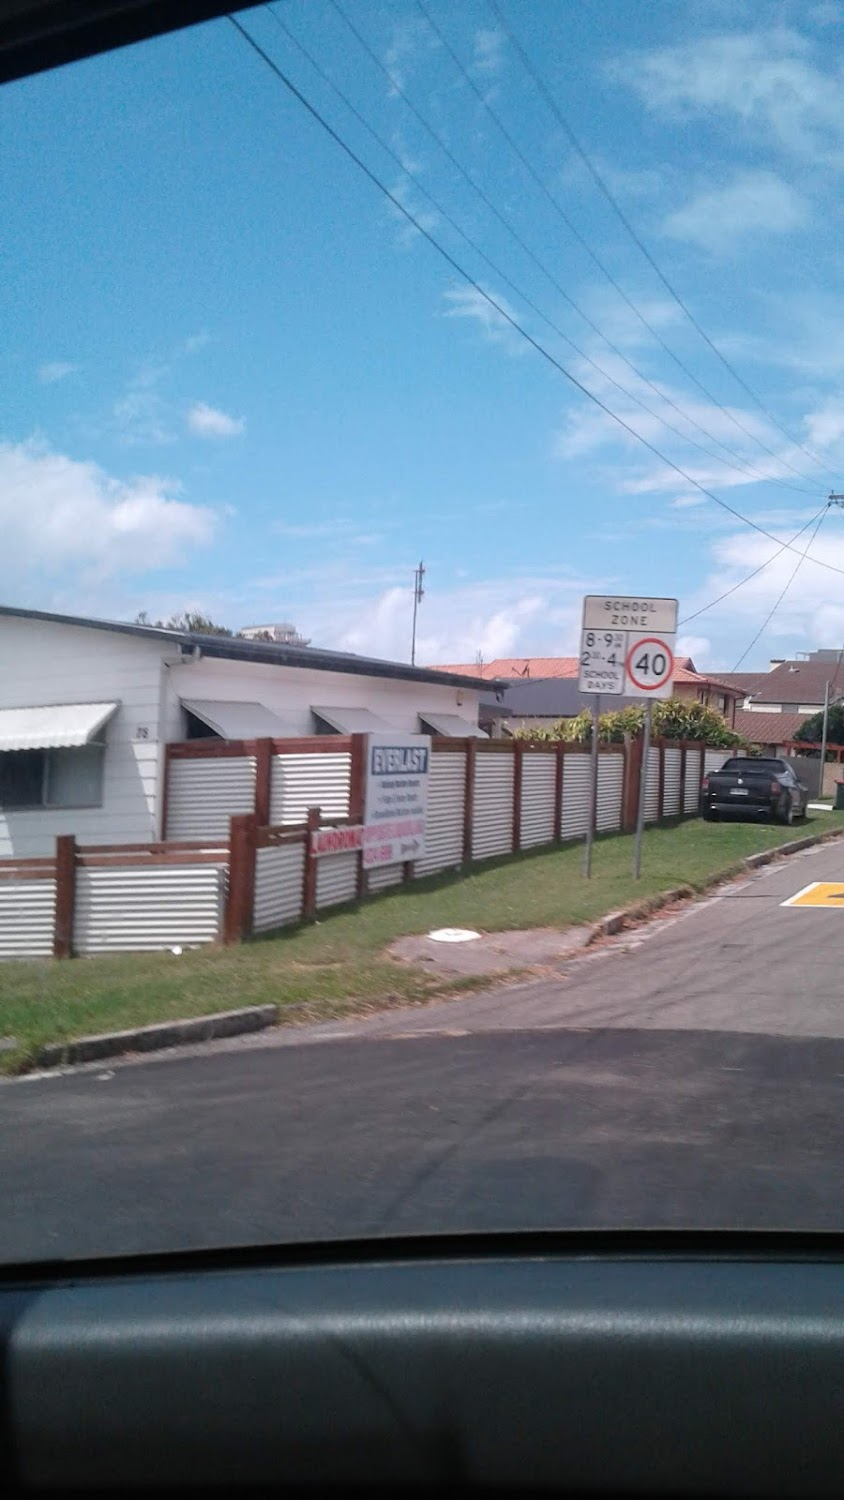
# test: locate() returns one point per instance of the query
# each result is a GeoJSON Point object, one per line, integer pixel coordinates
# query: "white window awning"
{"type": "Point", "coordinates": [54, 727]}
{"type": "Point", "coordinates": [451, 725]}
{"type": "Point", "coordinates": [351, 720]}
{"type": "Point", "coordinates": [237, 721]}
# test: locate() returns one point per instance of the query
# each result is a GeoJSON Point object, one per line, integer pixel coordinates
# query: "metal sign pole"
{"type": "Point", "coordinates": [643, 783]}
{"type": "Point", "coordinates": [593, 790]}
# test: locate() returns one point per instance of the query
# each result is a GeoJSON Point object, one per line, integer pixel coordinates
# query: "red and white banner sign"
{"type": "Point", "coordinates": [371, 838]}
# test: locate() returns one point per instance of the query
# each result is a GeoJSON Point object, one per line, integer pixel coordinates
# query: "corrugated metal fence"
{"type": "Point", "coordinates": [446, 802]}
{"type": "Point", "coordinates": [484, 800]}
{"type": "Point", "coordinates": [310, 780]}
{"type": "Point", "coordinates": [279, 871]}
{"type": "Point", "coordinates": [203, 794]}
{"type": "Point", "coordinates": [27, 917]}
{"type": "Point", "coordinates": [120, 910]}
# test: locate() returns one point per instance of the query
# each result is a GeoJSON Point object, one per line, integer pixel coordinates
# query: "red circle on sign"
{"type": "Point", "coordinates": [650, 640]}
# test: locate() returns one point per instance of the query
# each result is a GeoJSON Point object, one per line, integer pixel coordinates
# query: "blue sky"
{"type": "Point", "coordinates": [233, 377]}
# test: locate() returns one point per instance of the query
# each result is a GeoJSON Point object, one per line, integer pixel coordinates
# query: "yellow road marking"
{"type": "Point", "coordinates": [828, 893]}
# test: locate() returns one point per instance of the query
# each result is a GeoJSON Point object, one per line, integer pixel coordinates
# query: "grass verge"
{"type": "Point", "coordinates": [338, 966]}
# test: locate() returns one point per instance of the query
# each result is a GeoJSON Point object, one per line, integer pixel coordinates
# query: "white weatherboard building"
{"type": "Point", "coordinates": [87, 707]}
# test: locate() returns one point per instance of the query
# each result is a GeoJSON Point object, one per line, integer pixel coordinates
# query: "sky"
{"type": "Point", "coordinates": [235, 377]}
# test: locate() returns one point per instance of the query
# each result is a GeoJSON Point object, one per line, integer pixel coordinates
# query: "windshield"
{"type": "Point", "coordinates": [420, 454]}
{"type": "Point", "coordinates": [748, 765]}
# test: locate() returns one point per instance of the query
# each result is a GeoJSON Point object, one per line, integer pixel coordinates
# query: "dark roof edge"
{"type": "Point", "coordinates": [232, 649]}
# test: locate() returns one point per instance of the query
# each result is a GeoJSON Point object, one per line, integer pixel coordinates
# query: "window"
{"type": "Point", "coordinates": [22, 778]}
{"type": "Point", "coordinates": [52, 778]}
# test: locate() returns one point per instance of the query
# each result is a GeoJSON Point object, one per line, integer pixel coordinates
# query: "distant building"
{"type": "Point", "coordinates": [544, 688]}
{"type": "Point", "coordinates": [283, 634]}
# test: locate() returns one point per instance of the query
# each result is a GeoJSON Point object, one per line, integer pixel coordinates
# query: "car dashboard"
{"type": "Point", "coordinates": [607, 1364]}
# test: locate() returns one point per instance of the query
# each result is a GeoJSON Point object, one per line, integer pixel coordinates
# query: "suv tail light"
{"type": "Point", "coordinates": [704, 786]}
{"type": "Point", "coordinates": [775, 787]}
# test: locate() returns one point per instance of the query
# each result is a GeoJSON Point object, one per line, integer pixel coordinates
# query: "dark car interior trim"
{"type": "Point", "coordinates": [660, 1364]}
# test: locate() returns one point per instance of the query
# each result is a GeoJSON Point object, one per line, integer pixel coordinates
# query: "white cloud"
{"type": "Point", "coordinates": [811, 614]}
{"type": "Point", "coordinates": [209, 421]}
{"type": "Point", "coordinates": [521, 615]}
{"type": "Point", "coordinates": [620, 323]}
{"type": "Point", "coordinates": [56, 369]}
{"type": "Point", "coordinates": [698, 647]}
{"type": "Point", "coordinates": [766, 78]}
{"type": "Point", "coordinates": [141, 414]}
{"type": "Point", "coordinates": [194, 343]}
{"type": "Point", "coordinates": [466, 302]}
{"type": "Point", "coordinates": [718, 218]}
{"type": "Point", "coordinates": [70, 519]}
{"type": "Point", "coordinates": [688, 502]}
{"type": "Point", "coordinates": [412, 40]}
{"type": "Point", "coordinates": [825, 427]}
{"type": "Point", "coordinates": [416, 204]}
{"type": "Point", "coordinates": [587, 430]}
{"type": "Point", "coordinates": [143, 417]}
{"type": "Point", "coordinates": [827, 13]}
{"type": "Point", "coordinates": [489, 51]}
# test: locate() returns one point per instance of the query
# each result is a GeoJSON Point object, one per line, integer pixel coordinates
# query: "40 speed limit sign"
{"type": "Point", "coordinates": [649, 667]}
{"type": "Point", "coordinates": [627, 646]}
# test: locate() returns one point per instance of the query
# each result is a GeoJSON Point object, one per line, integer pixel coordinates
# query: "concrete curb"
{"type": "Point", "coordinates": [256, 1017]}
{"type": "Point", "coordinates": [616, 921]}
{"type": "Point", "coordinates": [153, 1038]}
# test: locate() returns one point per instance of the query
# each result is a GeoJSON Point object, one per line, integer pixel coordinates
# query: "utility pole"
{"type": "Point", "coordinates": [418, 596]}
{"type": "Point", "coordinates": [824, 734]}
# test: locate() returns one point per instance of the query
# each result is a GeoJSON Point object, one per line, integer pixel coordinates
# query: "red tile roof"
{"type": "Point", "coordinates": [768, 729]}
{"type": "Point", "coordinates": [520, 668]}
{"type": "Point", "coordinates": [702, 679]}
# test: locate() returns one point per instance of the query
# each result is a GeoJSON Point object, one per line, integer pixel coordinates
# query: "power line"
{"type": "Point", "coordinates": [486, 200]}
{"type": "Point", "coordinates": [493, 303]}
{"type": "Point", "coordinates": [772, 612]}
{"type": "Point", "coordinates": [604, 188]}
{"type": "Point", "coordinates": [605, 271]}
{"type": "Point", "coordinates": [744, 468]}
{"type": "Point", "coordinates": [549, 275]}
{"type": "Point", "coordinates": [762, 566]}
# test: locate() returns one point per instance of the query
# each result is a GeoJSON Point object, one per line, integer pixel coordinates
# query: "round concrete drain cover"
{"type": "Point", "coordinates": [453, 935]}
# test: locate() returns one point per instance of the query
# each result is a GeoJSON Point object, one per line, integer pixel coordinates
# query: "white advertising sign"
{"type": "Point", "coordinates": [396, 797]}
{"type": "Point", "coordinates": [395, 803]}
{"type": "Point", "coordinates": [627, 646]}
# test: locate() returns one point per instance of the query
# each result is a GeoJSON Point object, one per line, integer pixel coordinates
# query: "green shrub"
{"type": "Point", "coordinates": [673, 719]}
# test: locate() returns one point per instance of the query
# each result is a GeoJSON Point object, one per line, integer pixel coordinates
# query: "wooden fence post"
{"type": "Point", "coordinates": [165, 792]}
{"type": "Point", "coordinates": [357, 793]}
{"type": "Point", "coordinates": [518, 776]}
{"type": "Point", "coordinates": [263, 781]}
{"type": "Point", "coordinates": [469, 799]}
{"type": "Point", "coordinates": [65, 895]}
{"type": "Point", "coordinates": [309, 877]}
{"type": "Point", "coordinates": [240, 897]}
{"type": "Point", "coordinates": [660, 807]}
{"type": "Point", "coordinates": [559, 769]}
{"type": "Point", "coordinates": [632, 774]}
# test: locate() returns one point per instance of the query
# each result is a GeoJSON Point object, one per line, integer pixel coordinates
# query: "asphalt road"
{"type": "Point", "coordinates": [692, 1075]}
